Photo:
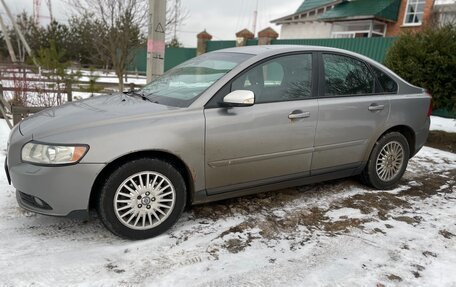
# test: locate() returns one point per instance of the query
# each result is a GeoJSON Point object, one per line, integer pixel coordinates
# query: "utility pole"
{"type": "Point", "coordinates": [7, 40]}
{"type": "Point", "coordinates": [156, 39]}
{"type": "Point", "coordinates": [255, 18]}
{"type": "Point", "coordinates": [19, 33]}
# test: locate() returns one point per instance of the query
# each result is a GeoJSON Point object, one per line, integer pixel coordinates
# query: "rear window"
{"type": "Point", "coordinates": [387, 83]}
{"type": "Point", "coordinates": [346, 76]}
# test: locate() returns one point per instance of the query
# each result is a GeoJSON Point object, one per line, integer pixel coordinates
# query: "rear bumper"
{"type": "Point", "coordinates": [422, 135]}
{"type": "Point", "coordinates": [56, 191]}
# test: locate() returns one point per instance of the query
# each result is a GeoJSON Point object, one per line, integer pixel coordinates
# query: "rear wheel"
{"type": "Point", "coordinates": [387, 162]}
{"type": "Point", "coordinates": [142, 198]}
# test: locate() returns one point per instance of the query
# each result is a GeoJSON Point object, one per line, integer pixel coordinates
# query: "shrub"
{"type": "Point", "coordinates": [428, 59]}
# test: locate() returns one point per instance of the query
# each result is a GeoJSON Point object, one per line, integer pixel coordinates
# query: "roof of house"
{"type": "Point", "coordinates": [364, 9]}
{"type": "Point", "coordinates": [312, 4]}
{"type": "Point", "coordinates": [308, 5]}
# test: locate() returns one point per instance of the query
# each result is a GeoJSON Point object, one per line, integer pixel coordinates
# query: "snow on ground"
{"type": "Point", "coordinates": [138, 80]}
{"type": "Point", "coordinates": [443, 124]}
{"type": "Point", "coordinates": [338, 233]}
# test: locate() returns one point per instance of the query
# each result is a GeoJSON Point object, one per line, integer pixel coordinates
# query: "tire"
{"type": "Point", "coordinates": [132, 209]}
{"type": "Point", "coordinates": [384, 169]}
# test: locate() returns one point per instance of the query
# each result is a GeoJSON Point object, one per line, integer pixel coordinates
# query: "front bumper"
{"type": "Point", "coordinates": [57, 191]}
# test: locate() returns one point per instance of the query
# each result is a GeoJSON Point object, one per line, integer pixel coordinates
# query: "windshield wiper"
{"type": "Point", "coordinates": [139, 94]}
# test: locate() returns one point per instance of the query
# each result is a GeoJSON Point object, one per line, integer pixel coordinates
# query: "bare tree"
{"type": "Point", "coordinates": [118, 29]}
{"type": "Point", "coordinates": [176, 14]}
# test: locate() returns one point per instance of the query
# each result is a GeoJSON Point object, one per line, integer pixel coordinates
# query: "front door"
{"type": "Point", "coordinates": [271, 140]}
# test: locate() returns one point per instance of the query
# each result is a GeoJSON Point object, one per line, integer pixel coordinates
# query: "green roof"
{"type": "Point", "coordinates": [312, 4]}
{"type": "Point", "coordinates": [383, 9]}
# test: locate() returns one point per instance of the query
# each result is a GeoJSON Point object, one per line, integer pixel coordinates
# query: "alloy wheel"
{"type": "Point", "coordinates": [389, 161]}
{"type": "Point", "coordinates": [144, 200]}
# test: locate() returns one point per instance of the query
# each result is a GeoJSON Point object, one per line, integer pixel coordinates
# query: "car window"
{"type": "Point", "coordinates": [387, 83]}
{"type": "Point", "coordinates": [285, 78]}
{"type": "Point", "coordinates": [183, 84]}
{"type": "Point", "coordinates": [346, 76]}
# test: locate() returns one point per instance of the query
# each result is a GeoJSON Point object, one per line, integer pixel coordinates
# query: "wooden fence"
{"type": "Point", "coordinates": [16, 75]}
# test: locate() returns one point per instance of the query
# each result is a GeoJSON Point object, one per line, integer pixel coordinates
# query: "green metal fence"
{"type": "Point", "coordinates": [176, 56]}
{"type": "Point", "coordinates": [217, 45]}
{"type": "Point", "coordinates": [173, 57]}
{"type": "Point", "coordinates": [374, 48]}
{"type": "Point", "coordinates": [139, 62]}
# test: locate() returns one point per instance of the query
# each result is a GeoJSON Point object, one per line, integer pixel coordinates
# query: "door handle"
{"type": "Point", "coordinates": [298, 115]}
{"type": "Point", "coordinates": [375, 107]}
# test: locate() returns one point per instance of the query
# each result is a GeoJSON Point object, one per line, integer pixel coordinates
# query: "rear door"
{"type": "Point", "coordinates": [271, 140]}
{"type": "Point", "coordinates": [352, 112]}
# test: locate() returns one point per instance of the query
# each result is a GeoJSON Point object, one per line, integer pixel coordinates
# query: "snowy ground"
{"type": "Point", "coordinates": [338, 233]}
{"type": "Point", "coordinates": [443, 124]}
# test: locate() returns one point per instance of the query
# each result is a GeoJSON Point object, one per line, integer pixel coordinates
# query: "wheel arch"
{"type": "Point", "coordinates": [173, 159]}
{"type": "Point", "coordinates": [407, 132]}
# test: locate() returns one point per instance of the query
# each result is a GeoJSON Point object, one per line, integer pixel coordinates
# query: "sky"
{"type": "Point", "coordinates": [221, 18]}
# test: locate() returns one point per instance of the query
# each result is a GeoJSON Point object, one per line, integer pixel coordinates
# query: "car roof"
{"type": "Point", "coordinates": [271, 49]}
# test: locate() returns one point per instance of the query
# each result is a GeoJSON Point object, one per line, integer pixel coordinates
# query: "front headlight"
{"type": "Point", "coordinates": [49, 154]}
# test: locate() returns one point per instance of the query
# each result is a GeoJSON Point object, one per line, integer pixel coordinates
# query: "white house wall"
{"type": "Point", "coordinates": [306, 30]}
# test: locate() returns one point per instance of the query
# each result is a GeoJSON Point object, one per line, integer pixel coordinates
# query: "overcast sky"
{"type": "Point", "coordinates": [221, 18]}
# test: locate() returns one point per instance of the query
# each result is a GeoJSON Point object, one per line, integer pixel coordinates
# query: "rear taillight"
{"type": "Point", "coordinates": [430, 104]}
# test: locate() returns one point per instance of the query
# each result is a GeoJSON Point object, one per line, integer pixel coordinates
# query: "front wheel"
{"type": "Point", "coordinates": [142, 198]}
{"type": "Point", "coordinates": [387, 162]}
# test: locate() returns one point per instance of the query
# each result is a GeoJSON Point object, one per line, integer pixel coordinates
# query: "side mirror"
{"type": "Point", "coordinates": [239, 98]}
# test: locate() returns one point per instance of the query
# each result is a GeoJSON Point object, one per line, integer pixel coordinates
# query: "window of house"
{"type": "Point", "coordinates": [414, 12]}
{"type": "Point", "coordinates": [286, 78]}
{"type": "Point", "coordinates": [358, 29]}
{"type": "Point", "coordinates": [346, 76]}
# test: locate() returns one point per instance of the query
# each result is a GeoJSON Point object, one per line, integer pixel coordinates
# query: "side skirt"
{"type": "Point", "coordinates": [238, 190]}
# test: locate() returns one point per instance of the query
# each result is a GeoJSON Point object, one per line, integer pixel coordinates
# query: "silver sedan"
{"type": "Point", "coordinates": [228, 123]}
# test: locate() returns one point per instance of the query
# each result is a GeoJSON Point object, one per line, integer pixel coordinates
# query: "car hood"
{"type": "Point", "coordinates": [95, 111]}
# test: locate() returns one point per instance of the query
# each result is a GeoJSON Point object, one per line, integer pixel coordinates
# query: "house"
{"type": "Point", "coordinates": [354, 18]}
{"type": "Point", "coordinates": [445, 11]}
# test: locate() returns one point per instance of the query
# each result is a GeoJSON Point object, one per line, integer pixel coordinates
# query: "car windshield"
{"type": "Point", "coordinates": [183, 84]}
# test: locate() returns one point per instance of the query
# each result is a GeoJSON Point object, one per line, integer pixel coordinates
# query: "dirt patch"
{"type": "Point", "coordinates": [378, 230]}
{"type": "Point", "coordinates": [393, 277]}
{"type": "Point", "coordinates": [382, 202]}
{"type": "Point", "coordinates": [343, 225]}
{"type": "Point", "coordinates": [429, 254]}
{"type": "Point", "coordinates": [114, 268]}
{"type": "Point", "coordinates": [418, 269]}
{"type": "Point", "coordinates": [288, 226]}
{"type": "Point", "coordinates": [431, 185]}
{"type": "Point", "coordinates": [235, 245]}
{"type": "Point", "coordinates": [409, 220]}
{"type": "Point", "coordinates": [273, 215]}
{"type": "Point", "coordinates": [442, 140]}
{"type": "Point", "coordinates": [261, 203]}
{"type": "Point", "coordinates": [446, 234]}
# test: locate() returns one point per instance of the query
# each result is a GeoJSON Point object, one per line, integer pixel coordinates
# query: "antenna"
{"type": "Point", "coordinates": [255, 17]}
{"type": "Point", "coordinates": [176, 17]}
{"type": "Point", "coordinates": [50, 10]}
{"type": "Point", "coordinates": [36, 11]}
